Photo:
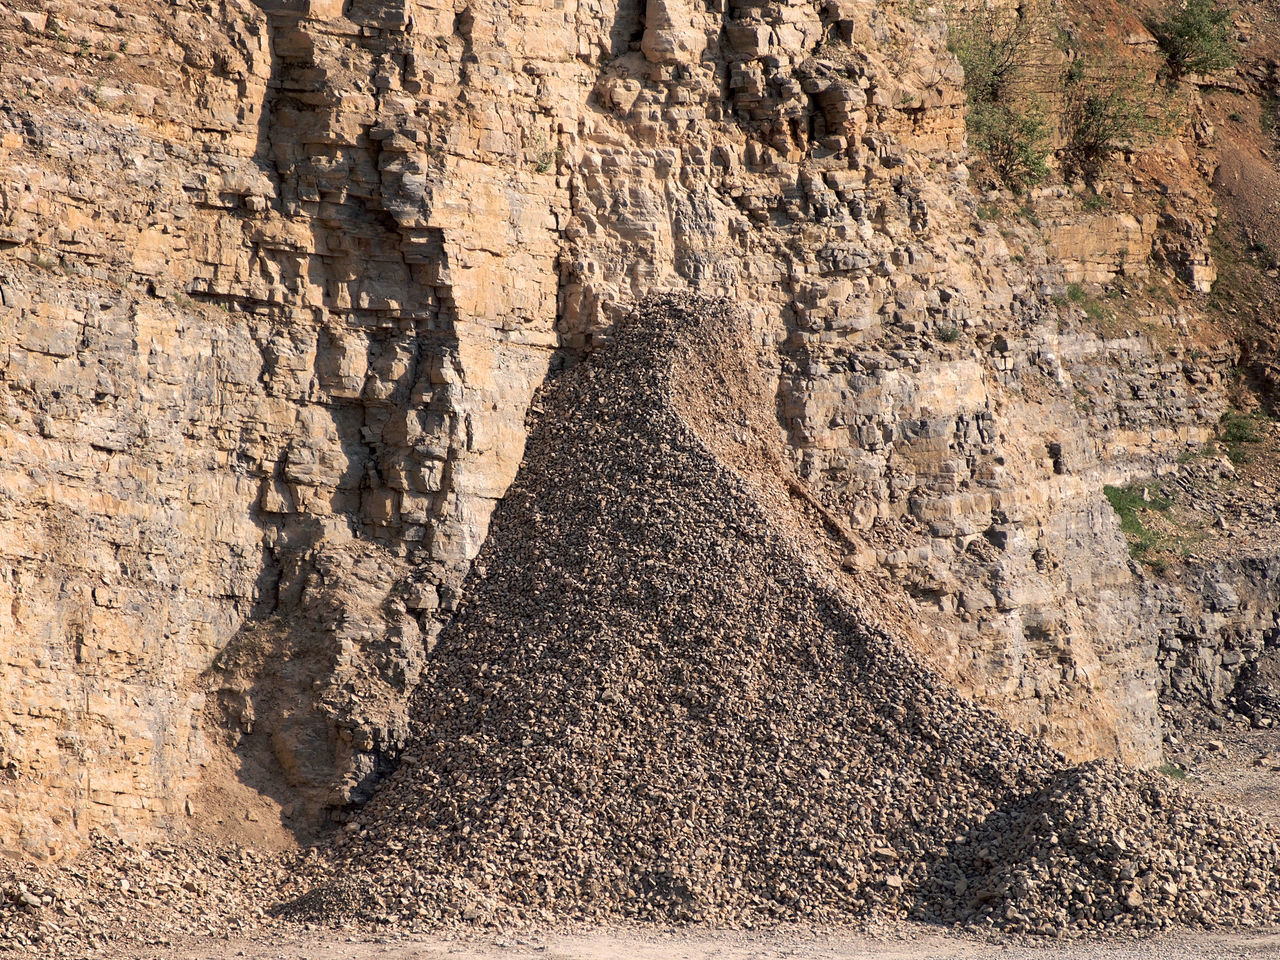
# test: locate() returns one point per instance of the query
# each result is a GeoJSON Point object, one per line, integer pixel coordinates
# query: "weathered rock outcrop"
{"type": "Point", "coordinates": [1226, 629]}
{"type": "Point", "coordinates": [272, 317]}
{"type": "Point", "coordinates": [278, 282]}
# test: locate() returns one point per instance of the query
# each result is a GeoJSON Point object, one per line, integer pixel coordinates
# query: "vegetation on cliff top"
{"type": "Point", "coordinates": [1006, 125]}
{"type": "Point", "coordinates": [1099, 100]}
{"type": "Point", "coordinates": [1195, 37]}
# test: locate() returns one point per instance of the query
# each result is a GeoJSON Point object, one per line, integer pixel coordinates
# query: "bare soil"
{"type": "Point", "coordinates": [909, 942]}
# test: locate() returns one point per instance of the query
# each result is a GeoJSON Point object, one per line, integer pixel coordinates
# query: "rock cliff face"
{"type": "Point", "coordinates": [278, 285]}
{"type": "Point", "coordinates": [278, 282]}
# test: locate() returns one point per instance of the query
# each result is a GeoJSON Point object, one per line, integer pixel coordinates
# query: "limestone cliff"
{"type": "Point", "coordinates": [278, 282]}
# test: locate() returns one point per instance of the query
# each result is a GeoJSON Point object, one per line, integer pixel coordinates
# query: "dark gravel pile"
{"type": "Point", "coordinates": [657, 703]}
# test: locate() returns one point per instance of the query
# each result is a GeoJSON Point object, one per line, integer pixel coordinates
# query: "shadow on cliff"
{"type": "Point", "coordinates": [307, 696]}
{"type": "Point", "coordinates": [266, 696]}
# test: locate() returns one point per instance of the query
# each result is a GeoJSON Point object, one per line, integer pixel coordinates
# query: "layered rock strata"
{"type": "Point", "coordinates": [278, 284]}
{"type": "Point", "coordinates": [278, 281]}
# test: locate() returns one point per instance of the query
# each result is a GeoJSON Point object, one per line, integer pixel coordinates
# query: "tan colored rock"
{"type": "Point", "coordinates": [671, 33]}
{"type": "Point", "coordinates": [278, 283]}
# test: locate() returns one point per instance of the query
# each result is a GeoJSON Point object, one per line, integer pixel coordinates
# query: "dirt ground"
{"type": "Point", "coordinates": [910, 942]}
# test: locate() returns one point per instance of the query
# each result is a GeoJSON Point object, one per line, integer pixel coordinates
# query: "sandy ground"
{"type": "Point", "coordinates": [910, 942]}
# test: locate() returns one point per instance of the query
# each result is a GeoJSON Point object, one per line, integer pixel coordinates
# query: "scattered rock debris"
{"type": "Point", "coordinates": [116, 893]}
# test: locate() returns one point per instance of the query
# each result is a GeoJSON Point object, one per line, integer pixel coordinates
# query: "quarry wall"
{"type": "Point", "coordinates": [278, 282]}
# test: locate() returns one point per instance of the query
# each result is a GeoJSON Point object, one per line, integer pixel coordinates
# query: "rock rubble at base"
{"type": "Point", "coordinates": [655, 704]}
{"type": "Point", "coordinates": [121, 893]}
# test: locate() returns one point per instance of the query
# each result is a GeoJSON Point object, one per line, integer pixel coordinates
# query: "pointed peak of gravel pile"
{"type": "Point", "coordinates": [658, 702]}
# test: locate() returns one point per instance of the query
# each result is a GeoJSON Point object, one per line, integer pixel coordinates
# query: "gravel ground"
{"type": "Point", "coordinates": [1237, 765]}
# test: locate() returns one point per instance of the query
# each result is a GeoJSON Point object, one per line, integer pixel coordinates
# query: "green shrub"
{"type": "Point", "coordinates": [991, 44]}
{"type": "Point", "coordinates": [1005, 126]}
{"type": "Point", "coordinates": [1195, 37]}
{"type": "Point", "coordinates": [1104, 107]}
{"type": "Point", "coordinates": [1014, 142]}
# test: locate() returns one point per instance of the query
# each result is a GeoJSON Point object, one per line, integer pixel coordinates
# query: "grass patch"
{"type": "Point", "coordinates": [1093, 308]}
{"type": "Point", "coordinates": [1129, 505]}
{"type": "Point", "coordinates": [1237, 432]}
{"type": "Point", "coordinates": [1095, 202]}
{"type": "Point", "coordinates": [1237, 273]}
{"type": "Point", "coordinates": [1173, 771]}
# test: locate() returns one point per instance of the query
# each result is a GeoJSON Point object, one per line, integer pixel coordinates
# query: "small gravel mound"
{"type": "Point", "coordinates": [658, 702]}
{"type": "Point", "coordinates": [1102, 845]}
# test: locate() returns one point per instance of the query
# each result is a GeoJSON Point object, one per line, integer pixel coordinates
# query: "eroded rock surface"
{"type": "Point", "coordinates": [278, 282]}
{"type": "Point", "coordinates": [278, 285]}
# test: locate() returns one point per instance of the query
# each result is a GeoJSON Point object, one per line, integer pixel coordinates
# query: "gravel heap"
{"type": "Point", "coordinates": [1105, 846]}
{"type": "Point", "coordinates": [659, 701]}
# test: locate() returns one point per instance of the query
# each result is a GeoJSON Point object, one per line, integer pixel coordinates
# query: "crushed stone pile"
{"type": "Point", "coordinates": [659, 701]}
{"type": "Point", "coordinates": [1102, 845]}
